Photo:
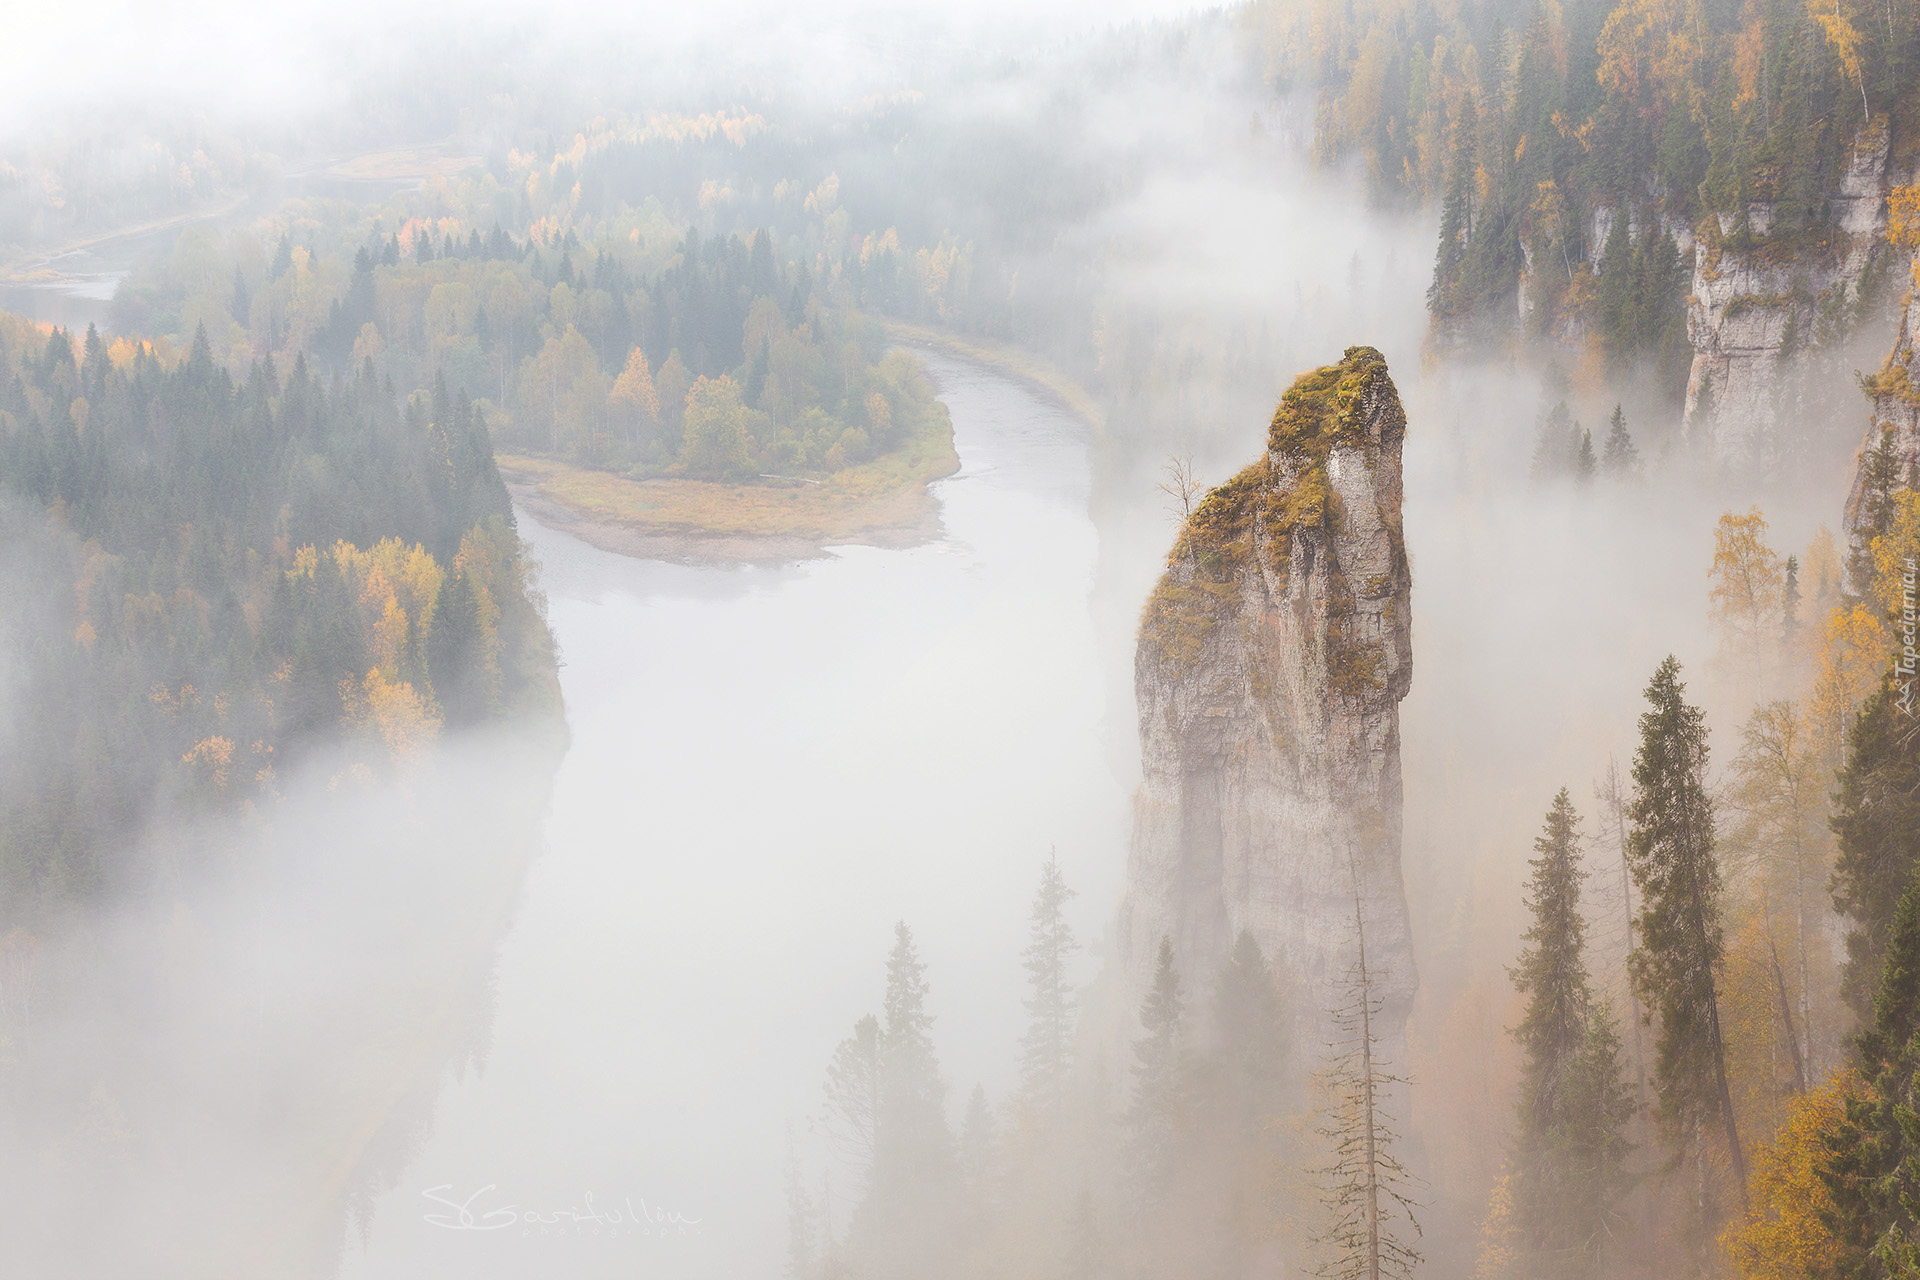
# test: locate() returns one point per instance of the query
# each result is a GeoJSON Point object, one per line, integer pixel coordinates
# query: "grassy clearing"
{"type": "Point", "coordinates": [888, 494]}
{"type": "Point", "coordinates": [1043, 375]}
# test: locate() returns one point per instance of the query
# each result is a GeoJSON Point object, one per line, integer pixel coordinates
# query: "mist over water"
{"type": "Point", "coordinates": [768, 768]}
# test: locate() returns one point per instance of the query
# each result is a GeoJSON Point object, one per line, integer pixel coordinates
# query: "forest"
{"type": "Point", "coordinates": [260, 560]}
{"type": "Point", "coordinates": [649, 353]}
{"type": "Point", "coordinates": [217, 578]}
{"type": "Point", "coordinates": [1576, 150]}
{"type": "Point", "coordinates": [1726, 1090]}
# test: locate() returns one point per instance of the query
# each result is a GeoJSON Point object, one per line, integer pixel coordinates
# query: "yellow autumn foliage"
{"type": "Point", "coordinates": [391, 712]}
{"type": "Point", "coordinates": [1784, 1236]}
{"type": "Point", "coordinates": [633, 391]}
{"type": "Point", "coordinates": [210, 760]}
{"type": "Point", "coordinates": [388, 642]}
{"type": "Point", "coordinates": [1854, 648]}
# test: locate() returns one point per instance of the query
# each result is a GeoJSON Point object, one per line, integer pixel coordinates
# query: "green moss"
{"type": "Point", "coordinates": [1178, 619]}
{"type": "Point", "coordinates": [1306, 504]}
{"type": "Point", "coordinates": [1323, 409]}
{"type": "Point", "coordinates": [1218, 536]}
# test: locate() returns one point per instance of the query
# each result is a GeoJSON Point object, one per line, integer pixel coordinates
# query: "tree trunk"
{"type": "Point", "coordinates": [1726, 1096]}
{"type": "Point", "coordinates": [1786, 1020]}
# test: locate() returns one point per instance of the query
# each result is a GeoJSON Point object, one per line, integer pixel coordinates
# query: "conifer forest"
{"type": "Point", "coordinates": [893, 641]}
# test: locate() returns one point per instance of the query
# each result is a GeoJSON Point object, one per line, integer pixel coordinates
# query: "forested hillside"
{"type": "Point", "coordinates": [216, 579]}
{"type": "Point", "coordinates": [1577, 152]}
{"type": "Point", "coordinates": [641, 348]}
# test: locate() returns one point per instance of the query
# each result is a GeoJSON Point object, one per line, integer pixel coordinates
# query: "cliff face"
{"type": "Point", "coordinates": [1752, 309]}
{"type": "Point", "coordinates": [1894, 427]}
{"type": "Point", "coordinates": [1272, 659]}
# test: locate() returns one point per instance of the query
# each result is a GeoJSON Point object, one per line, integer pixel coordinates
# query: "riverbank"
{"type": "Point", "coordinates": [774, 520]}
{"type": "Point", "coordinates": [1034, 372]}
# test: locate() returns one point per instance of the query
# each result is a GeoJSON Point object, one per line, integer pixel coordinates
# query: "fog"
{"type": "Point", "coordinates": [609, 971]}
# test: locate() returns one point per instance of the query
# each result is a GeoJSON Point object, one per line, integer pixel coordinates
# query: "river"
{"type": "Point", "coordinates": [769, 767]}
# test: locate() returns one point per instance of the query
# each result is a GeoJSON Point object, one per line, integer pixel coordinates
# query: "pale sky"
{"type": "Point", "coordinates": [258, 57]}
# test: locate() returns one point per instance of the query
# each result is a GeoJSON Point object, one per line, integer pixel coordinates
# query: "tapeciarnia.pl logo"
{"type": "Point", "coordinates": [1908, 657]}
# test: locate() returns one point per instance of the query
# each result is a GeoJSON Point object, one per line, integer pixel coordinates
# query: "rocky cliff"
{"type": "Point", "coordinates": [1760, 299]}
{"type": "Point", "coordinates": [1272, 659]}
{"type": "Point", "coordinates": [1890, 454]}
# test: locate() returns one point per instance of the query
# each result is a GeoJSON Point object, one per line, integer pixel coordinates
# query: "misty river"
{"type": "Point", "coordinates": [768, 768]}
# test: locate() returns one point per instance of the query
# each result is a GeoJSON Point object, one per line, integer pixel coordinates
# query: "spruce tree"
{"type": "Point", "coordinates": [905, 1221]}
{"type": "Point", "coordinates": [242, 304]}
{"type": "Point", "coordinates": [1250, 1050]}
{"type": "Point", "coordinates": [1241, 1089]}
{"type": "Point", "coordinates": [1158, 1108]}
{"type": "Point", "coordinates": [912, 1133]}
{"type": "Point", "coordinates": [1556, 449]}
{"type": "Point", "coordinates": [1671, 848]}
{"type": "Point", "coordinates": [1446, 298]}
{"type": "Point", "coordinates": [1790, 605]}
{"type": "Point", "coordinates": [1872, 1168]}
{"type": "Point", "coordinates": [1616, 291]}
{"type": "Point", "coordinates": [454, 652]}
{"type": "Point", "coordinates": [1877, 820]}
{"type": "Point", "coordinates": [1046, 1052]}
{"type": "Point", "coordinates": [1573, 1107]}
{"type": "Point", "coordinates": [1618, 457]}
{"type": "Point", "coordinates": [1583, 462]}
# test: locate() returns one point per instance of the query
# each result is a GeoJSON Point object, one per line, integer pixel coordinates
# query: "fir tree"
{"type": "Point", "coordinates": [912, 1129]}
{"type": "Point", "coordinates": [1877, 820]}
{"type": "Point", "coordinates": [1568, 1151]}
{"type": "Point", "coordinates": [1583, 463]}
{"type": "Point", "coordinates": [906, 1219]}
{"type": "Point", "coordinates": [1158, 1107]}
{"type": "Point", "coordinates": [1250, 1050]}
{"type": "Point", "coordinates": [1790, 605]}
{"type": "Point", "coordinates": [1047, 1049]}
{"type": "Point", "coordinates": [1618, 457]}
{"type": "Point", "coordinates": [1556, 449]}
{"type": "Point", "coordinates": [1680, 943]}
{"type": "Point", "coordinates": [1445, 299]}
{"type": "Point", "coordinates": [454, 652]}
{"type": "Point", "coordinates": [242, 303]}
{"type": "Point", "coordinates": [1240, 1090]}
{"type": "Point", "coordinates": [1872, 1168]}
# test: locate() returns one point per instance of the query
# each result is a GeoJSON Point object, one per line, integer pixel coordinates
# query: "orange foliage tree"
{"type": "Point", "coordinates": [1784, 1235]}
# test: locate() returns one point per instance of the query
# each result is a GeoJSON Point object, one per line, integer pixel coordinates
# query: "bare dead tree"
{"type": "Point", "coordinates": [1365, 1190]}
{"type": "Point", "coordinates": [1180, 486]}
